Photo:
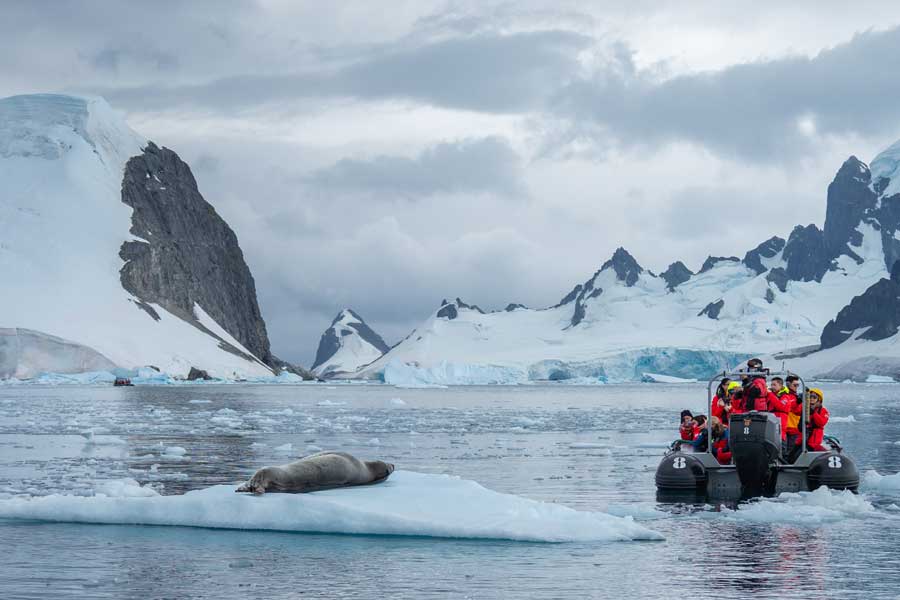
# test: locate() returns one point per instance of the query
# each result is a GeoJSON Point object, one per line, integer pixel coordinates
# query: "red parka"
{"type": "Point", "coordinates": [689, 432]}
{"type": "Point", "coordinates": [756, 395]}
{"type": "Point", "coordinates": [718, 411]}
{"type": "Point", "coordinates": [779, 405]}
{"type": "Point", "coordinates": [818, 418]}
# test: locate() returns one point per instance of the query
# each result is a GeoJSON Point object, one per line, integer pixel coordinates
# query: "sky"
{"type": "Point", "coordinates": [384, 156]}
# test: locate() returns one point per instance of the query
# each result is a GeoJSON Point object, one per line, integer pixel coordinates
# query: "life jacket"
{"type": "Point", "coordinates": [756, 394]}
{"type": "Point", "coordinates": [795, 410]}
{"type": "Point", "coordinates": [689, 432]}
{"type": "Point", "coordinates": [721, 449]}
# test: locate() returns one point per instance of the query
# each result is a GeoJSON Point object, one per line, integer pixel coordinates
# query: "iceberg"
{"type": "Point", "coordinates": [879, 379]}
{"type": "Point", "coordinates": [657, 378]}
{"type": "Point", "coordinates": [408, 504]}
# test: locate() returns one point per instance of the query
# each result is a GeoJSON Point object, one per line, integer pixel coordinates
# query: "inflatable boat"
{"type": "Point", "coordinates": [757, 467]}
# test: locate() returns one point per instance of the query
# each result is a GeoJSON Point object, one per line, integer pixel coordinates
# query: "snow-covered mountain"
{"type": "Point", "coordinates": [107, 247]}
{"type": "Point", "coordinates": [625, 321]}
{"type": "Point", "coordinates": [348, 344]}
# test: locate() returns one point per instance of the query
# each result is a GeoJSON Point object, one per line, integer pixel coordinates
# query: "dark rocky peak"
{"type": "Point", "coordinates": [779, 277]}
{"type": "Point", "coordinates": [712, 261]}
{"type": "Point", "coordinates": [347, 322]}
{"type": "Point", "coordinates": [849, 199]}
{"type": "Point", "coordinates": [806, 255]}
{"type": "Point", "coordinates": [448, 311]}
{"type": "Point", "coordinates": [462, 304]}
{"type": "Point", "coordinates": [189, 255]}
{"type": "Point", "coordinates": [768, 249]}
{"type": "Point", "coordinates": [626, 267]}
{"type": "Point", "coordinates": [712, 309]}
{"type": "Point", "coordinates": [877, 309]}
{"type": "Point", "coordinates": [514, 306]}
{"type": "Point", "coordinates": [570, 297]}
{"type": "Point", "coordinates": [676, 274]}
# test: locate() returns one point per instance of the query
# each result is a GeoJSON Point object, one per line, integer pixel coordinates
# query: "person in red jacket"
{"type": "Point", "coordinates": [720, 447]}
{"type": "Point", "coordinates": [818, 418]}
{"type": "Point", "coordinates": [688, 429]}
{"type": "Point", "coordinates": [778, 404]}
{"type": "Point", "coordinates": [756, 394]}
{"type": "Point", "coordinates": [795, 410]}
{"type": "Point", "coordinates": [722, 405]}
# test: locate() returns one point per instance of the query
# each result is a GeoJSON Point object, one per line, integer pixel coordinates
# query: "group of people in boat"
{"type": "Point", "coordinates": [754, 392]}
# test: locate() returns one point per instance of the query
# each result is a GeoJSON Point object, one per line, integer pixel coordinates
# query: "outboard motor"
{"type": "Point", "coordinates": [680, 474]}
{"type": "Point", "coordinates": [755, 440]}
{"type": "Point", "coordinates": [834, 470]}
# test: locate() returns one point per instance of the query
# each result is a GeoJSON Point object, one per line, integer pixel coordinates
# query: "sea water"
{"type": "Point", "coordinates": [591, 448]}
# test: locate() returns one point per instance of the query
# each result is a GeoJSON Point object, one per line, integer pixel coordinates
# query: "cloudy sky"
{"type": "Point", "coordinates": [383, 156]}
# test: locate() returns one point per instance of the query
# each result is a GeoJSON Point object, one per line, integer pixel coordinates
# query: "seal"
{"type": "Point", "coordinates": [320, 471]}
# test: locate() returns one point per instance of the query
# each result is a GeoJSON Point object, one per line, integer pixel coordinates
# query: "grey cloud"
{"type": "Point", "coordinates": [481, 165]}
{"type": "Point", "coordinates": [485, 72]}
{"type": "Point", "coordinates": [749, 110]}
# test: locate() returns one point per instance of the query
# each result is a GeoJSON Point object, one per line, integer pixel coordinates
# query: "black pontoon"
{"type": "Point", "coordinates": [757, 467]}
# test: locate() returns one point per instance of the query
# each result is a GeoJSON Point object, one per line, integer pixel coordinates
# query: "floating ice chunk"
{"type": "Point", "coordinates": [658, 378]}
{"type": "Point", "coordinates": [879, 379]}
{"type": "Point", "coordinates": [372, 442]}
{"type": "Point", "coordinates": [331, 403]}
{"type": "Point", "coordinates": [124, 488]}
{"type": "Point", "coordinates": [407, 504]}
{"type": "Point", "coordinates": [847, 419]}
{"type": "Point", "coordinates": [258, 445]}
{"type": "Point", "coordinates": [313, 448]}
{"type": "Point", "coordinates": [874, 481]}
{"type": "Point", "coordinates": [174, 451]}
{"type": "Point", "coordinates": [284, 448]}
{"type": "Point", "coordinates": [199, 401]}
{"type": "Point", "coordinates": [588, 446]}
{"type": "Point", "coordinates": [397, 402]}
{"type": "Point", "coordinates": [804, 508]}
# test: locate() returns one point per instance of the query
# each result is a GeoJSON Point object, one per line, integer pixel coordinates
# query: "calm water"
{"type": "Point", "coordinates": [512, 439]}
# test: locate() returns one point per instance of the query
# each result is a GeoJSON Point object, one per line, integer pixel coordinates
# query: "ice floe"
{"type": "Point", "coordinates": [804, 508]}
{"type": "Point", "coordinates": [847, 419]}
{"type": "Point", "coordinates": [873, 481]}
{"type": "Point", "coordinates": [413, 504]}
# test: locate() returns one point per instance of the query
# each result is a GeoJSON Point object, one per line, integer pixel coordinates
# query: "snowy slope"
{"type": "Point", "coordinates": [62, 224]}
{"type": "Point", "coordinates": [625, 321]}
{"type": "Point", "coordinates": [348, 344]}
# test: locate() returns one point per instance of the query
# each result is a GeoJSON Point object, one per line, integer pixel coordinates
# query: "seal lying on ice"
{"type": "Point", "coordinates": [321, 471]}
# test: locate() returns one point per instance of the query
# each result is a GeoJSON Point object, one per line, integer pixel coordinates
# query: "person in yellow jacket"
{"type": "Point", "coordinates": [792, 396]}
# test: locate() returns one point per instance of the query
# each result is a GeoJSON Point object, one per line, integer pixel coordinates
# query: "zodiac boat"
{"type": "Point", "coordinates": [758, 467]}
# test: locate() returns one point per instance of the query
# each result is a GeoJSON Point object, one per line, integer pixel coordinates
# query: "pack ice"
{"type": "Point", "coordinates": [409, 504]}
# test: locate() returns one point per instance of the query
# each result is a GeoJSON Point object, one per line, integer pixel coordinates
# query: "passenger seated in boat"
{"type": "Point", "coordinates": [778, 404]}
{"type": "Point", "coordinates": [756, 393]}
{"type": "Point", "coordinates": [736, 395]}
{"type": "Point", "coordinates": [701, 441]}
{"type": "Point", "coordinates": [719, 400]}
{"type": "Point", "coordinates": [721, 449]}
{"type": "Point", "coordinates": [818, 418]}
{"type": "Point", "coordinates": [688, 429]}
{"type": "Point", "coordinates": [795, 410]}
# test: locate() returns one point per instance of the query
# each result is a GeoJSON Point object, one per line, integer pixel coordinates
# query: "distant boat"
{"type": "Point", "coordinates": [122, 381]}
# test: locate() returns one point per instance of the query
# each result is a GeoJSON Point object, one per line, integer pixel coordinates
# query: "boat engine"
{"type": "Point", "coordinates": [755, 439]}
